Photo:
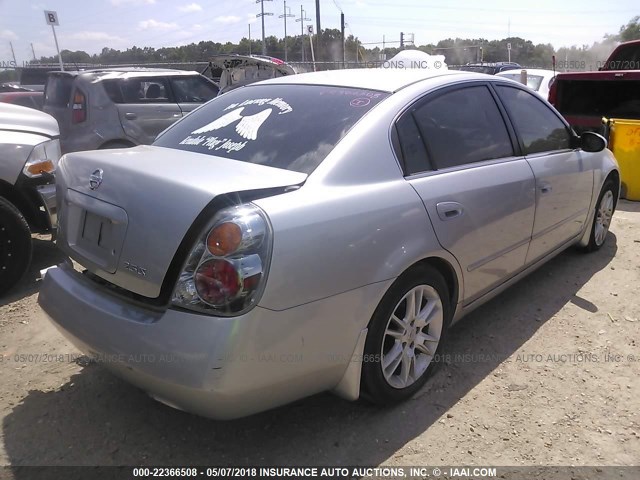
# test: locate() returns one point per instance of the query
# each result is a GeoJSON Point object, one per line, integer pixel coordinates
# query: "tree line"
{"type": "Point", "coordinates": [328, 48]}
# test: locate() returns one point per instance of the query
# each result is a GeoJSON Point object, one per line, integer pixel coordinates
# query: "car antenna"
{"type": "Point", "coordinates": [553, 63]}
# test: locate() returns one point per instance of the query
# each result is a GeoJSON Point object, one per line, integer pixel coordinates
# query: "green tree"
{"type": "Point", "coordinates": [630, 31]}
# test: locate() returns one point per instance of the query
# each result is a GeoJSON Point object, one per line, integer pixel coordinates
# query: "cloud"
{"type": "Point", "coordinates": [251, 18]}
{"type": "Point", "coordinates": [152, 24]}
{"type": "Point", "coordinates": [228, 19]}
{"type": "Point", "coordinates": [8, 35]}
{"type": "Point", "coordinates": [117, 3]}
{"type": "Point", "coordinates": [93, 36]}
{"type": "Point", "coordinates": [192, 7]}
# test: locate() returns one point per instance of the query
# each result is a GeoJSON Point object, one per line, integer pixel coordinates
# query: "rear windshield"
{"type": "Point", "coordinates": [627, 57]}
{"type": "Point", "coordinates": [293, 127]}
{"type": "Point", "coordinates": [58, 90]}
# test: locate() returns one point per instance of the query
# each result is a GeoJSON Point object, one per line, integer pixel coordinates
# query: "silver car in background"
{"type": "Point", "coordinates": [121, 107]}
{"type": "Point", "coordinates": [317, 232]}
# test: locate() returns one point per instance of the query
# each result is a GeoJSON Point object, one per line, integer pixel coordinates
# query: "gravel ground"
{"type": "Point", "coordinates": [548, 373]}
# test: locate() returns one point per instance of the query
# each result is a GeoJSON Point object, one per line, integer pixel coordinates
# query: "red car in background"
{"type": "Point", "coordinates": [26, 99]}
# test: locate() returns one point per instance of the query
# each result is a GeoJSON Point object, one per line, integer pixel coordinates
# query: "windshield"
{"type": "Point", "coordinates": [293, 127]}
{"type": "Point", "coordinates": [533, 81]}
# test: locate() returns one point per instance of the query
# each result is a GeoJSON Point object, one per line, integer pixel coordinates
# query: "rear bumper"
{"type": "Point", "coordinates": [217, 367]}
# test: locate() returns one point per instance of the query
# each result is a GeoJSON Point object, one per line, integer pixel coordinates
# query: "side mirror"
{"type": "Point", "coordinates": [592, 142]}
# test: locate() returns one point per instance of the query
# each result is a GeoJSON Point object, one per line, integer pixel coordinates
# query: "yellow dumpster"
{"type": "Point", "coordinates": [624, 142]}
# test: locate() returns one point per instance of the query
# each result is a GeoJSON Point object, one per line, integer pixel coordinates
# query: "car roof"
{"type": "Point", "coordinates": [491, 64]}
{"type": "Point", "coordinates": [382, 79]}
{"type": "Point", "coordinates": [127, 72]}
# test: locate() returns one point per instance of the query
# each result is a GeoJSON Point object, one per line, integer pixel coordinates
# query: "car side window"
{"type": "Point", "coordinates": [193, 89]}
{"type": "Point", "coordinates": [539, 127]}
{"type": "Point", "coordinates": [463, 126]}
{"type": "Point", "coordinates": [143, 90]}
{"type": "Point", "coordinates": [414, 154]}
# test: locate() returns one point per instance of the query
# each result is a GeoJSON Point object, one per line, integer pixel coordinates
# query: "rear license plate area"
{"type": "Point", "coordinates": [95, 229]}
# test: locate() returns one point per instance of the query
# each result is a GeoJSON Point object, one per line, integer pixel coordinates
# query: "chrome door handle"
{"type": "Point", "coordinates": [130, 116]}
{"type": "Point", "coordinates": [448, 210]}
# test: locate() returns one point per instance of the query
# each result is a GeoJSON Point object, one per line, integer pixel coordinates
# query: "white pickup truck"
{"type": "Point", "coordinates": [29, 154]}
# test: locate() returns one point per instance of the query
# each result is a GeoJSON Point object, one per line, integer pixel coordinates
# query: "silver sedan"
{"type": "Point", "coordinates": [317, 232]}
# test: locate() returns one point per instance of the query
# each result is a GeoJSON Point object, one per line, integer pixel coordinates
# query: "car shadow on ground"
{"type": "Point", "coordinates": [97, 419]}
{"type": "Point", "coordinates": [628, 206]}
{"type": "Point", "coordinates": [45, 254]}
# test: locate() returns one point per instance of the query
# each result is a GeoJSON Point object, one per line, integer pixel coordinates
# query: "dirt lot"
{"type": "Point", "coordinates": [546, 374]}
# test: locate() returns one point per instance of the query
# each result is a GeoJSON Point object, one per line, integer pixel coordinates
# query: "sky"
{"type": "Point", "coordinates": [90, 25]}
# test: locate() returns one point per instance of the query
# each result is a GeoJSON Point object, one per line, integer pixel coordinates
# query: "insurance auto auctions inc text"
{"type": "Point", "coordinates": [377, 472]}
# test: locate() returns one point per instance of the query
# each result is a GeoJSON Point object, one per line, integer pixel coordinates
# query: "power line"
{"type": "Point", "coordinates": [302, 19]}
{"type": "Point", "coordinates": [285, 15]}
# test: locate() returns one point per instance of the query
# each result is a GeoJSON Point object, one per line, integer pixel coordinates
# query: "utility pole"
{"type": "Point", "coordinates": [261, 15]}
{"type": "Point", "coordinates": [285, 15]}
{"type": "Point", "coordinates": [302, 19]}
{"type": "Point", "coordinates": [318, 30]}
{"type": "Point", "coordinates": [249, 39]}
{"type": "Point", "coordinates": [343, 39]}
{"type": "Point", "coordinates": [34, 53]}
{"type": "Point", "coordinates": [401, 40]}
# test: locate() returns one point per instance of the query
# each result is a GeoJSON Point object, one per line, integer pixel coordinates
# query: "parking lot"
{"type": "Point", "coordinates": [548, 373]}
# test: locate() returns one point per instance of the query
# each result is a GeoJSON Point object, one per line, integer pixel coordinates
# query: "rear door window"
{"type": "Point", "coordinates": [194, 89]}
{"type": "Point", "coordinates": [293, 127]}
{"type": "Point", "coordinates": [58, 90]}
{"type": "Point", "coordinates": [138, 90]}
{"type": "Point", "coordinates": [463, 126]}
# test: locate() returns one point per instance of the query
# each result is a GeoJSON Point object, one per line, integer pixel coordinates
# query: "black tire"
{"type": "Point", "coordinates": [596, 240]}
{"type": "Point", "coordinates": [376, 385]}
{"type": "Point", "coordinates": [15, 245]}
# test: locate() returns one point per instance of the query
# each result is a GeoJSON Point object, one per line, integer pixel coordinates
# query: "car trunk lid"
{"type": "Point", "coordinates": [123, 214]}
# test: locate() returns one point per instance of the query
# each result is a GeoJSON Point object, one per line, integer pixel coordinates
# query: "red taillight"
{"type": "Point", "coordinates": [225, 272]}
{"type": "Point", "coordinates": [217, 282]}
{"type": "Point", "coordinates": [79, 107]}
